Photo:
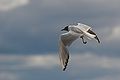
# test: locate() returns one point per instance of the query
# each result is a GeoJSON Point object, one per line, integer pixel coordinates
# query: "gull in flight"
{"type": "Point", "coordinates": [73, 32]}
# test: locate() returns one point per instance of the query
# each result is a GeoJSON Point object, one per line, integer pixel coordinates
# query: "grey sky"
{"type": "Point", "coordinates": [29, 33]}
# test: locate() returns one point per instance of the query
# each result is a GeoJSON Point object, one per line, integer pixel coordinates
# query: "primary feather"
{"type": "Point", "coordinates": [65, 40]}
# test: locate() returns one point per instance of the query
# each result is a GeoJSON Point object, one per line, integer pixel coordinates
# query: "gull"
{"type": "Point", "coordinates": [73, 32]}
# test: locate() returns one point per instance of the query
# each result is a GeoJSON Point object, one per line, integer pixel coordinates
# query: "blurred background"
{"type": "Point", "coordinates": [29, 34]}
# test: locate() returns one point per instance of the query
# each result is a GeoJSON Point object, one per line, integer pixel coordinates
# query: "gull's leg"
{"type": "Point", "coordinates": [83, 40]}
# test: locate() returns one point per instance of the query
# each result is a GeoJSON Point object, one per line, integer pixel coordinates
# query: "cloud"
{"type": "Point", "coordinates": [93, 60]}
{"type": "Point", "coordinates": [70, 2]}
{"type": "Point", "coordinates": [85, 65]}
{"type": "Point", "coordinates": [42, 61]}
{"type": "Point", "coordinates": [28, 62]}
{"type": "Point", "coordinates": [114, 34]}
{"type": "Point", "coordinates": [51, 61]}
{"type": "Point", "coordinates": [90, 66]}
{"type": "Point", "coordinates": [6, 5]}
{"type": "Point", "coordinates": [110, 35]}
{"type": "Point", "coordinates": [109, 77]}
{"type": "Point", "coordinates": [8, 76]}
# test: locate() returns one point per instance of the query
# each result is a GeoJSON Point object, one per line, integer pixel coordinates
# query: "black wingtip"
{"type": "Point", "coordinates": [66, 63]}
{"type": "Point", "coordinates": [97, 39]}
{"type": "Point", "coordinates": [64, 69]}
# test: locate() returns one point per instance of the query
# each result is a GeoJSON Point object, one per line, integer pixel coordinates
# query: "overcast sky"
{"type": "Point", "coordinates": [29, 34]}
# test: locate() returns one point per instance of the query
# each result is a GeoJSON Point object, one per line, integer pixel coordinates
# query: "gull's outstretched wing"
{"type": "Point", "coordinates": [65, 40]}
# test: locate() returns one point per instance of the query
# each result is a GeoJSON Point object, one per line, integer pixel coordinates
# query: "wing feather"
{"type": "Point", "coordinates": [64, 55]}
{"type": "Point", "coordinates": [66, 39]}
